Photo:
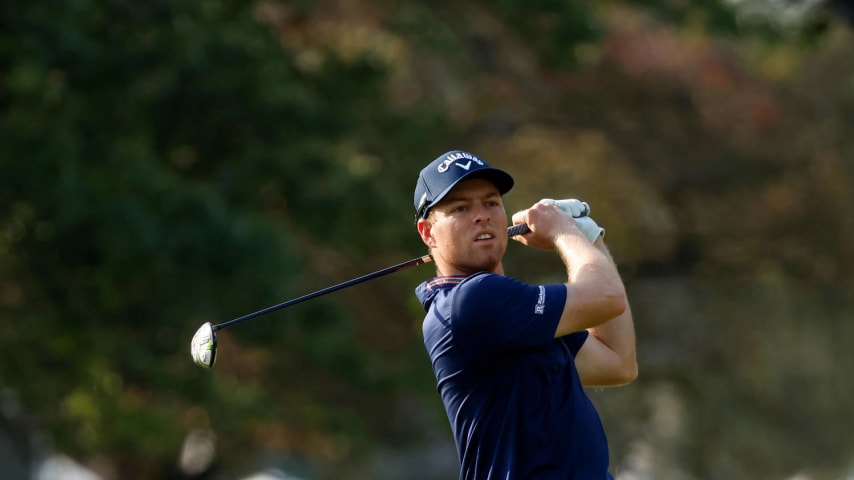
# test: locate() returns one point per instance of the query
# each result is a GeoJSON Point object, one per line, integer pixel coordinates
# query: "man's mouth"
{"type": "Point", "coordinates": [485, 236]}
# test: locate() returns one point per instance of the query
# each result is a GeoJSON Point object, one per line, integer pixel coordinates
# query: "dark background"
{"type": "Point", "coordinates": [168, 163]}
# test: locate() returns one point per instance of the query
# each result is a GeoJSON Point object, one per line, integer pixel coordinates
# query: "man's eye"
{"type": "Point", "coordinates": [460, 208]}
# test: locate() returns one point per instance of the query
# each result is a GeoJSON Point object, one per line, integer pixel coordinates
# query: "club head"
{"type": "Point", "coordinates": [203, 346]}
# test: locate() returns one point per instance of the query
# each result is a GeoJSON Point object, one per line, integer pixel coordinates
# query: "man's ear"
{"type": "Point", "coordinates": [425, 229]}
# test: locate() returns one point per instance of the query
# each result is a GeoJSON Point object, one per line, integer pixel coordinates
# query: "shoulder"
{"type": "Point", "coordinates": [501, 296]}
{"type": "Point", "coordinates": [485, 287]}
{"type": "Point", "coordinates": [488, 281]}
{"type": "Point", "coordinates": [506, 313]}
{"type": "Point", "coordinates": [488, 294]}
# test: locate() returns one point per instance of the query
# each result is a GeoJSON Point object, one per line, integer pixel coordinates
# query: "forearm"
{"type": "Point", "coordinates": [595, 292]}
{"type": "Point", "coordinates": [618, 334]}
{"type": "Point", "coordinates": [580, 256]}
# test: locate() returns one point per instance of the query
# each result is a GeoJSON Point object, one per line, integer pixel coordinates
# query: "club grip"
{"type": "Point", "coordinates": [520, 229]}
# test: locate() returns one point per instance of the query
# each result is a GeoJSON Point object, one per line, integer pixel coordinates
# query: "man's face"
{"type": "Point", "coordinates": [467, 230]}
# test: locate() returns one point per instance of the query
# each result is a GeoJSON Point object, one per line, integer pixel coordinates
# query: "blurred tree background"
{"type": "Point", "coordinates": [164, 164]}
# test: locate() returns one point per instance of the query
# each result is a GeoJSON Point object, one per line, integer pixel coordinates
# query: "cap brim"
{"type": "Point", "coordinates": [501, 179]}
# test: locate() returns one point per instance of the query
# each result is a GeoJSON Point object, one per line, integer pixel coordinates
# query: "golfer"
{"type": "Point", "coordinates": [511, 358]}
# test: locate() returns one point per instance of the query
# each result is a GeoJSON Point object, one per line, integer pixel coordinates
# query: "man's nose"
{"type": "Point", "coordinates": [482, 213]}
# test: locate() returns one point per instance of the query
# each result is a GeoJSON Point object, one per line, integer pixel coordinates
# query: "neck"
{"type": "Point", "coordinates": [447, 270]}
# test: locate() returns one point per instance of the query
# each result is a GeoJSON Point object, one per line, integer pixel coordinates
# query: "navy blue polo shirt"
{"type": "Point", "coordinates": [510, 389]}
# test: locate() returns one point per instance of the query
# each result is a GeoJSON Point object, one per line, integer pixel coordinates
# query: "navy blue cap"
{"type": "Point", "coordinates": [449, 169]}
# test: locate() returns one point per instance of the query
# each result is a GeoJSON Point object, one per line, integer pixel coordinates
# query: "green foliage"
{"type": "Point", "coordinates": [552, 27]}
{"type": "Point", "coordinates": [163, 164]}
{"type": "Point", "coordinates": [715, 15]}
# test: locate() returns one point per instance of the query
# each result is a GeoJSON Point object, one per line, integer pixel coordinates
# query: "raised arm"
{"type": "Point", "coordinates": [596, 298]}
{"type": "Point", "coordinates": [594, 290]}
{"type": "Point", "coordinates": [608, 356]}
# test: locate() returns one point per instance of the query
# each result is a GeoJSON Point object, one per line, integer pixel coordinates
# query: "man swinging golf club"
{"type": "Point", "coordinates": [511, 358]}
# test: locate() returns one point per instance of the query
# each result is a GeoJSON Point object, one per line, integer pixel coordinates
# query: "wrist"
{"type": "Point", "coordinates": [571, 238]}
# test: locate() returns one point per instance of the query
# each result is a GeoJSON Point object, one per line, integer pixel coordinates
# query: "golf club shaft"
{"type": "Point", "coordinates": [512, 232]}
{"type": "Point", "coordinates": [364, 278]}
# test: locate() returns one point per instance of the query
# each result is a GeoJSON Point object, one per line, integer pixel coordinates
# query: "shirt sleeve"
{"type": "Point", "coordinates": [501, 313]}
{"type": "Point", "coordinates": [575, 340]}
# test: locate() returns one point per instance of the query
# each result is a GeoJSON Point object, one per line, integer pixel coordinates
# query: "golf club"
{"type": "Point", "coordinates": [203, 344]}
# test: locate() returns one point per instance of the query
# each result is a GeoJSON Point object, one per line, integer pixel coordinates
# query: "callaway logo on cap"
{"type": "Point", "coordinates": [449, 169]}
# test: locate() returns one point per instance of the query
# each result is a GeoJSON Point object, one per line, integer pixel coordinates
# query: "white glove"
{"type": "Point", "coordinates": [589, 228]}
{"type": "Point", "coordinates": [580, 211]}
{"type": "Point", "coordinates": [574, 207]}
